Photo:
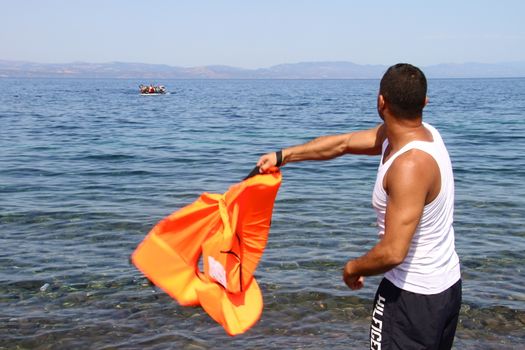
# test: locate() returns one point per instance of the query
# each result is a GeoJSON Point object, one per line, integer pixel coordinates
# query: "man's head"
{"type": "Point", "coordinates": [404, 90]}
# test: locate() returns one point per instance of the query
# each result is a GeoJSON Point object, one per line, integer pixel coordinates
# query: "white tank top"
{"type": "Point", "coordinates": [431, 265]}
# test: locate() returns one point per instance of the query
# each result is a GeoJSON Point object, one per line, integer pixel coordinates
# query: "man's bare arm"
{"type": "Point", "coordinates": [329, 147]}
{"type": "Point", "coordinates": [407, 183]}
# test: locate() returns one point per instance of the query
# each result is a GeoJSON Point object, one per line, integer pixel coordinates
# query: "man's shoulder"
{"type": "Point", "coordinates": [413, 160]}
{"type": "Point", "coordinates": [414, 171]}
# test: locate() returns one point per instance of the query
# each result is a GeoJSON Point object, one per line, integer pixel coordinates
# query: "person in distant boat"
{"type": "Point", "coordinates": [417, 303]}
{"type": "Point", "coordinates": [151, 89]}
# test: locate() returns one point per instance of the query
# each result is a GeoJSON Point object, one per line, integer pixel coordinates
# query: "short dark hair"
{"type": "Point", "coordinates": [404, 88]}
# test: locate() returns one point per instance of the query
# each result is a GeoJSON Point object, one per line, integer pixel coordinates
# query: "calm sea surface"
{"type": "Point", "coordinates": [87, 167]}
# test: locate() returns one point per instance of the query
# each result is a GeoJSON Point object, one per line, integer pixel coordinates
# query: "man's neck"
{"type": "Point", "coordinates": [402, 131]}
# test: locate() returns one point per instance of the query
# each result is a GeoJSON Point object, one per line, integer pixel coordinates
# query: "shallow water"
{"type": "Point", "coordinates": [87, 167]}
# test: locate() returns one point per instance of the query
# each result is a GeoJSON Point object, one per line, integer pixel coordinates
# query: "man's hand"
{"type": "Point", "coordinates": [267, 161]}
{"type": "Point", "coordinates": [353, 282]}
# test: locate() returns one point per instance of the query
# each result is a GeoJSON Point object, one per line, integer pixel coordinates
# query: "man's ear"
{"type": "Point", "coordinates": [426, 101]}
{"type": "Point", "coordinates": [380, 102]}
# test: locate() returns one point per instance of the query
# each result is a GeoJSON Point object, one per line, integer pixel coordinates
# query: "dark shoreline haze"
{"type": "Point", "coordinates": [302, 70]}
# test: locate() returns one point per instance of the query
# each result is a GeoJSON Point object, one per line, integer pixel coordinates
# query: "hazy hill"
{"type": "Point", "coordinates": [303, 70]}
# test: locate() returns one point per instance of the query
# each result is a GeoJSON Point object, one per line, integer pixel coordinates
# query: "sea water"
{"type": "Point", "coordinates": [87, 167]}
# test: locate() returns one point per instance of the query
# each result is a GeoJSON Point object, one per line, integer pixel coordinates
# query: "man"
{"type": "Point", "coordinates": [417, 303]}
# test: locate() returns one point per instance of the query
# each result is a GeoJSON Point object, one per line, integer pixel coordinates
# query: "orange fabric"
{"type": "Point", "coordinates": [229, 232]}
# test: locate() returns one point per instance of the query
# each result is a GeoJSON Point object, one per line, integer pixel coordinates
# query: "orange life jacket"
{"type": "Point", "coordinates": [230, 232]}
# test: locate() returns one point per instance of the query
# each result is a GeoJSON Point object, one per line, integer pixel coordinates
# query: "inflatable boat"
{"type": "Point", "coordinates": [152, 89]}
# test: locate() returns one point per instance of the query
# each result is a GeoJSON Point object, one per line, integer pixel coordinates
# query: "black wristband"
{"type": "Point", "coordinates": [279, 156]}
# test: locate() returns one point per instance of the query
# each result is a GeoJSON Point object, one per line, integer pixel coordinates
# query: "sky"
{"type": "Point", "coordinates": [260, 34]}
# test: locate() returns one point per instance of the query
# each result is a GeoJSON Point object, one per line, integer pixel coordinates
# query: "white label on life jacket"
{"type": "Point", "coordinates": [217, 271]}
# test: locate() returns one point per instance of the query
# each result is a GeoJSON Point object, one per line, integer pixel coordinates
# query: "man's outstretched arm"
{"type": "Point", "coordinates": [329, 147]}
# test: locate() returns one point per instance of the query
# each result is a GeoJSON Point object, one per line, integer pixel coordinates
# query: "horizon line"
{"type": "Point", "coordinates": [265, 67]}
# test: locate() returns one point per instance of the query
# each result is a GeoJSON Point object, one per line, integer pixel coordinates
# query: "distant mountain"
{"type": "Point", "coordinates": [303, 70]}
{"type": "Point", "coordinates": [322, 70]}
{"type": "Point", "coordinates": [477, 70]}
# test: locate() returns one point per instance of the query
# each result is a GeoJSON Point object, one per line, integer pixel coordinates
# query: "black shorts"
{"type": "Point", "coordinates": [406, 320]}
